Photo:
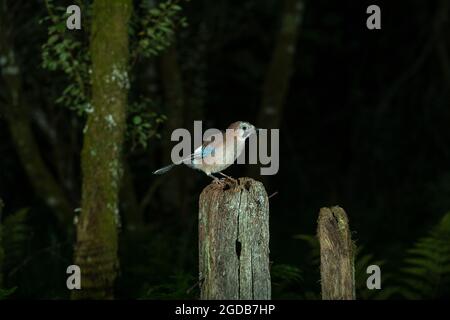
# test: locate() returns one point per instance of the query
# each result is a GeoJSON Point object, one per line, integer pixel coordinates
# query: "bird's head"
{"type": "Point", "coordinates": [242, 129]}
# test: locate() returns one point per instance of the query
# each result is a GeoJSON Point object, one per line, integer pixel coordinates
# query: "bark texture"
{"type": "Point", "coordinates": [336, 255]}
{"type": "Point", "coordinates": [234, 241]}
{"type": "Point", "coordinates": [96, 249]}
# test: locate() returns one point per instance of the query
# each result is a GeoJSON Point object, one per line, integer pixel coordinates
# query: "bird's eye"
{"type": "Point", "coordinates": [244, 127]}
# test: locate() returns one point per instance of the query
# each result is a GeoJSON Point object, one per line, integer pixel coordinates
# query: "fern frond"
{"type": "Point", "coordinates": [285, 273]}
{"type": "Point", "coordinates": [313, 243]}
{"type": "Point", "coordinates": [15, 233]}
{"type": "Point", "coordinates": [426, 273]}
{"type": "Point", "coordinates": [5, 293]}
{"type": "Point", "coordinates": [286, 281]}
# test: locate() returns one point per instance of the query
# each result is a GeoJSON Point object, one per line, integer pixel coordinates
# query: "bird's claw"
{"type": "Point", "coordinates": [220, 181]}
{"type": "Point", "coordinates": [228, 181]}
{"type": "Point", "coordinates": [231, 181]}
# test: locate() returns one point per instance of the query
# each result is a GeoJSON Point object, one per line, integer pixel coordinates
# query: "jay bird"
{"type": "Point", "coordinates": [218, 154]}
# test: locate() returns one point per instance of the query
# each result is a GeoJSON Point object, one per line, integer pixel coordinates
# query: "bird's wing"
{"type": "Point", "coordinates": [205, 150]}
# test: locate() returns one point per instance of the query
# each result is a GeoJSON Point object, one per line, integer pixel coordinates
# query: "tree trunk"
{"type": "Point", "coordinates": [278, 76]}
{"type": "Point", "coordinates": [234, 241]}
{"type": "Point", "coordinates": [336, 255]}
{"type": "Point", "coordinates": [172, 188]}
{"type": "Point", "coordinates": [17, 115]}
{"type": "Point", "coordinates": [96, 249]}
{"type": "Point", "coordinates": [276, 84]}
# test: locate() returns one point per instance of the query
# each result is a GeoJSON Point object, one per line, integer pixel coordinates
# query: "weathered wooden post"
{"type": "Point", "coordinates": [336, 255]}
{"type": "Point", "coordinates": [234, 241]}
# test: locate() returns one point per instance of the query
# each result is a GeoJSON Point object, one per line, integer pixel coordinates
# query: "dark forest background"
{"type": "Point", "coordinates": [363, 117]}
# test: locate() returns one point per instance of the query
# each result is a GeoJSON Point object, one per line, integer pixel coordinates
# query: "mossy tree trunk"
{"type": "Point", "coordinates": [96, 248]}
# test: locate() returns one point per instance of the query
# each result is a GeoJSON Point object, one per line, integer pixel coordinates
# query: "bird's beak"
{"type": "Point", "coordinates": [255, 131]}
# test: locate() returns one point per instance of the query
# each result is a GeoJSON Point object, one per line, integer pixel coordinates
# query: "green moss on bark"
{"type": "Point", "coordinates": [96, 250]}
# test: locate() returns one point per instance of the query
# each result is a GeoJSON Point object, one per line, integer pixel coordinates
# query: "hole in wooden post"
{"type": "Point", "coordinates": [238, 248]}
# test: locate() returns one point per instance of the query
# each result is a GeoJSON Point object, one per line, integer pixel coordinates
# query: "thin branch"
{"type": "Point", "coordinates": [149, 194]}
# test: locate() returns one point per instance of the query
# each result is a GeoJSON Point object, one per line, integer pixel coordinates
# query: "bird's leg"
{"type": "Point", "coordinates": [212, 176]}
{"type": "Point", "coordinates": [228, 177]}
{"type": "Point", "coordinates": [216, 180]}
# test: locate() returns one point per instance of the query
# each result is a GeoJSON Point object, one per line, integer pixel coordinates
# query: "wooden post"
{"type": "Point", "coordinates": [336, 255]}
{"type": "Point", "coordinates": [234, 241]}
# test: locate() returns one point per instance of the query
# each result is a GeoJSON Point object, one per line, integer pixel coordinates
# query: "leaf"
{"type": "Point", "coordinates": [285, 272]}
{"type": "Point", "coordinates": [155, 12]}
{"type": "Point", "coordinates": [15, 233]}
{"type": "Point", "coordinates": [137, 120]}
{"type": "Point", "coordinates": [5, 293]}
{"type": "Point", "coordinates": [426, 270]}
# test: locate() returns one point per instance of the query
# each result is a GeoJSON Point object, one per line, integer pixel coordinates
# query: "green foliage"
{"type": "Point", "coordinates": [313, 243]}
{"type": "Point", "coordinates": [15, 233]}
{"type": "Point", "coordinates": [65, 52]}
{"type": "Point", "coordinates": [285, 280]}
{"type": "Point", "coordinates": [426, 274]}
{"type": "Point", "coordinates": [178, 286]}
{"type": "Point", "coordinates": [311, 288]}
{"type": "Point", "coordinates": [151, 262]}
{"type": "Point", "coordinates": [152, 32]}
{"type": "Point", "coordinates": [13, 236]}
{"type": "Point", "coordinates": [155, 30]}
{"type": "Point", "coordinates": [143, 123]}
{"type": "Point", "coordinates": [285, 273]}
{"type": "Point", "coordinates": [6, 293]}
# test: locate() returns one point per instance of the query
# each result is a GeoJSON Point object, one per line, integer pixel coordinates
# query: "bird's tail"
{"type": "Point", "coordinates": [164, 169]}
